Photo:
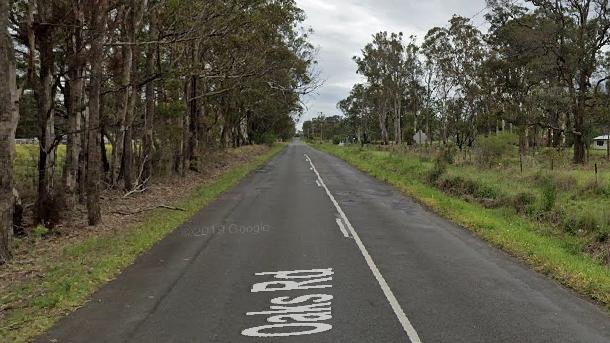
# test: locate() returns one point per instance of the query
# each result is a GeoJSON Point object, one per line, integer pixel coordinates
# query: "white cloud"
{"type": "Point", "coordinates": [342, 28]}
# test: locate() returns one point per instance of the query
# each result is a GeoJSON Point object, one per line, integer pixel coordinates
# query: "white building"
{"type": "Point", "coordinates": [420, 137]}
{"type": "Point", "coordinates": [600, 143]}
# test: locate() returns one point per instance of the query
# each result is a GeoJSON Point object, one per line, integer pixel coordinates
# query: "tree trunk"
{"type": "Point", "coordinates": [74, 89]}
{"type": "Point", "coordinates": [193, 146]}
{"type": "Point", "coordinates": [397, 127]}
{"type": "Point", "coordinates": [98, 25]}
{"type": "Point", "coordinates": [128, 143]}
{"type": "Point", "coordinates": [9, 116]}
{"type": "Point", "coordinates": [83, 157]}
{"type": "Point", "coordinates": [149, 115]}
{"type": "Point", "coordinates": [184, 155]}
{"type": "Point", "coordinates": [579, 139]}
{"type": "Point", "coordinates": [44, 93]}
{"type": "Point", "coordinates": [118, 147]}
{"type": "Point", "coordinates": [105, 167]}
{"type": "Point", "coordinates": [383, 125]}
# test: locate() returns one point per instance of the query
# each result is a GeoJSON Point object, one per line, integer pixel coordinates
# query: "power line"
{"type": "Point", "coordinates": [479, 12]}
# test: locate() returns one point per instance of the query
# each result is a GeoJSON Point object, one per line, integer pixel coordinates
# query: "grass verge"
{"type": "Point", "coordinates": [527, 240]}
{"type": "Point", "coordinates": [84, 267]}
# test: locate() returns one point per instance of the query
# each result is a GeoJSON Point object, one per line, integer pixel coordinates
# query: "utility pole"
{"type": "Point", "coordinates": [322, 126]}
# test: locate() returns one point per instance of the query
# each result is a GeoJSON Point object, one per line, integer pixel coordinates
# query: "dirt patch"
{"type": "Point", "coordinates": [118, 212]}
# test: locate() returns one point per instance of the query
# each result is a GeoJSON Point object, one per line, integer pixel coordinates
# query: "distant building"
{"type": "Point", "coordinates": [27, 141]}
{"type": "Point", "coordinates": [600, 143]}
{"type": "Point", "coordinates": [420, 137]}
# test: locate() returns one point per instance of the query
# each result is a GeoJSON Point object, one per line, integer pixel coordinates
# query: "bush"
{"type": "Point", "coordinates": [491, 149]}
{"type": "Point", "coordinates": [40, 231]}
{"type": "Point", "coordinates": [438, 169]}
{"type": "Point", "coordinates": [578, 222]}
{"type": "Point", "coordinates": [337, 140]}
{"type": "Point", "coordinates": [468, 189]}
{"type": "Point", "coordinates": [52, 210]}
{"type": "Point", "coordinates": [447, 153]}
{"type": "Point", "coordinates": [563, 182]}
{"type": "Point", "coordinates": [266, 138]}
{"type": "Point", "coordinates": [549, 194]}
{"type": "Point", "coordinates": [603, 235]}
{"type": "Point", "coordinates": [523, 201]}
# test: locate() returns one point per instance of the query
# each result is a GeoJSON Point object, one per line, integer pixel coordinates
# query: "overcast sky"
{"type": "Point", "coordinates": [343, 27]}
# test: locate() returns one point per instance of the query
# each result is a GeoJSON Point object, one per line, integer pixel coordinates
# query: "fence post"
{"type": "Point", "coordinates": [521, 162]}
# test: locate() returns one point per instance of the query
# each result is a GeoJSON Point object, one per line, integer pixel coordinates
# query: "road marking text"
{"type": "Point", "coordinates": [294, 316]}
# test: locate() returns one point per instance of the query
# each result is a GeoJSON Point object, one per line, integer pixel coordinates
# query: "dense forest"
{"type": "Point", "coordinates": [540, 71]}
{"type": "Point", "coordinates": [128, 90]}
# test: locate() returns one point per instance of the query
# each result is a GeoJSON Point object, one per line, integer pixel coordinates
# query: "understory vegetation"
{"type": "Point", "coordinates": [553, 215]}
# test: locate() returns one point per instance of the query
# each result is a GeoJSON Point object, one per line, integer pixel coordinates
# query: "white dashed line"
{"type": "Point", "coordinates": [342, 228]}
{"type": "Point", "coordinates": [398, 311]}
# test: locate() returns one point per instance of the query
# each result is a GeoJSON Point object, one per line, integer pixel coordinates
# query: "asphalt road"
{"type": "Point", "coordinates": [287, 256]}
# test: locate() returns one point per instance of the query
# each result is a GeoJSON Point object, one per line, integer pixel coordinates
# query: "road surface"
{"type": "Point", "coordinates": [307, 249]}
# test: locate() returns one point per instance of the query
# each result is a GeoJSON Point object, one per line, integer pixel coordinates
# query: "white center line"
{"type": "Point", "coordinates": [342, 228]}
{"type": "Point", "coordinates": [398, 311]}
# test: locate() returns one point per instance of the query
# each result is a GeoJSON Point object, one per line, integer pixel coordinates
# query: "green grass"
{"type": "Point", "coordinates": [84, 267]}
{"type": "Point", "coordinates": [26, 163]}
{"type": "Point", "coordinates": [556, 254]}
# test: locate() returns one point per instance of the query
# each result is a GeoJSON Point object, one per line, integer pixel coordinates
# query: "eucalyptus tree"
{"type": "Point", "coordinates": [36, 27]}
{"type": "Point", "coordinates": [358, 112]}
{"type": "Point", "coordinates": [390, 69]}
{"type": "Point", "coordinates": [97, 23]}
{"type": "Point", "coordinates": [372, 66]}
{"type": "Point", "coordinates": [467, 54]}
{"type": "Point", "coordinates": [454, 55]}
{"type": "Point", "coordinates": [582, 31]}
{"type": "Point", "coordinates": [129, 18]}
{"type": "Point", "coordinates": [518, 58]}
{"type": "Point", "coordinates": [439, 86]}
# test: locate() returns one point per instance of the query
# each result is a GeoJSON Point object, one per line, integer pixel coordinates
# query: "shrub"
{"type": "Point", "coordinates": [40, 231]}
{"type": "Point", "coordinates": [485, 191]}
{"type": "Point", "coordinates": [438, 169]}
{"type": "Point", "coordinates": [603, 235]}
{"type": "Point", "coordinates": [523, 201]}
{"type": "Point", "coordinates": [52, 210]}
{"type": "Point", "coordinates": [266, 138]}
{"type": "Point", "coordinates": [491, 149]}
{"type": "Point", "coordinates": [562, 181]}
{"type": "Point", "coordinates": [447, 153]}
{"type": "Point", "coordinates": [578, 222]}
{"type": "Point", "coordinates": [549, 194]}
{"type": "Point", "coordinates": [337, 140]}
{"type": "Point", "coordinates": [468, 189]}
